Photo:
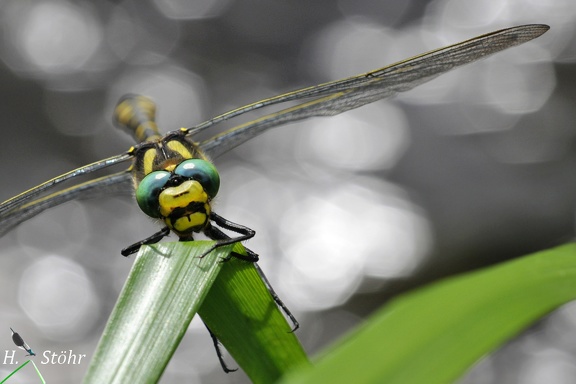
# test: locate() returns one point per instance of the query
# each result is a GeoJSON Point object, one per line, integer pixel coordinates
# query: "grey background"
{"type": "Point", "coordinates": [473, 169]}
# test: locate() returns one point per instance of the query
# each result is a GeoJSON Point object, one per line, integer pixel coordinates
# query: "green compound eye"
{"type": "Point", "coordinates": [148, 191]}
{"type": "Point", "coordinates": [202, 171]}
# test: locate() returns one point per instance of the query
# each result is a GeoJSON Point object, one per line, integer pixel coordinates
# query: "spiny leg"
{"type": "Point", "coordinates": [277, 300]}
{"type": "Point", "coordinates": [219, 352]}
{"type": "Point", "coordinates": [223, 239]}
{"type": "Point", "coordinates": [216, 234]}
{"type": "Point", "coordinates": [247, 233]}
{"type": "Point", "coordinates": [219, 235]}
{"type": "Point", "coordinates": [149, 240]}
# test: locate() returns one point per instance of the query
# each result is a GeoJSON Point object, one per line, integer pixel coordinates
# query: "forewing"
{"type": "Point", "coordinates": [340, 96]}
{"type": "Point", "coordinates": [23, 198]}
{"type": "Point", "coordinates": [117, 183]}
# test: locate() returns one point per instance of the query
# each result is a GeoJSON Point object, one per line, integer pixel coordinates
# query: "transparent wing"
{"type": "Point", "coordinates": [329, 99]}
{"type": "Point", "coordinates": [117, 183]}
{"type": "Point", "coordinates": [21, 199]}
{"type": "Point", "coordinates": [342, 95]}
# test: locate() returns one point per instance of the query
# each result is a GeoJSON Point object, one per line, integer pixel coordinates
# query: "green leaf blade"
{"type": "Point", "coordinates": [434, 335]}
{"type": "Point", "coordinates": [167, 286]}
{"type": "Point", "coordinates": [242, 314]}
{"type": "Point", "coordinates": [164, 290]}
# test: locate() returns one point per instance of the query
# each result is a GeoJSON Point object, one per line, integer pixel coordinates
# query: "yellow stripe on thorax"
{"type": "Point", "coordinates": [179, 148]}
{"type": "Point", "coordinates": [148, 160]}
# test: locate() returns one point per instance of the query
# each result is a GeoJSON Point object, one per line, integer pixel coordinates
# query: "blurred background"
{"type": "Point", "coordinates": [474, 168]}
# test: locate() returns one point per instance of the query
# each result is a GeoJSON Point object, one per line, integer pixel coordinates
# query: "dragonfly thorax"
{"type": "Point", "coordinates": [164, 154]}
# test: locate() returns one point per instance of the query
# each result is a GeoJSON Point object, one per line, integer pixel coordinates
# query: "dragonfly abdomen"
{"type": "Point", "coordinates": [137, 115]}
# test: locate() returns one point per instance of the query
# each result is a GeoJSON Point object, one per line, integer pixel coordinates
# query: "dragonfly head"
{"type": "Point", "coordinates": [181, 198]}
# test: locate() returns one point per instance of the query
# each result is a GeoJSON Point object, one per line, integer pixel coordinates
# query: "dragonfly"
{"type": "Point", "coordinates": [172, 175]}
{"type": "Point", "coordinates": [328, 99]}
{"type": "Point", "coordinates": [20, 343]}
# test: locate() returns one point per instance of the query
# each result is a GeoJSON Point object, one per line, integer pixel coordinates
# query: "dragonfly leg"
{"type": "Point", "coordinates": [277, 300]}
{"type": "Point", "coordinates": [223, 239]}
{"type": "Point", "coordinates": [253, 257]}
{"type": "Point", "coordinates": [247, 233]}
{"type": "Point", "coordinates": [219, 352]}
{"type": "Point", "coordinates": [216, 234]}
{"type": "Point", "coordinates": [149, 240]}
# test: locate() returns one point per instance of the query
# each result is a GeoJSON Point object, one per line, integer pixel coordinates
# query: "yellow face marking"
{"type": "Point", "coordinates": [183, 196]}
{"type": "Point", "coordinates": [170, 168]}
{"type": "Point", "coordinates": [180, 196]}
{"type": "Point", "coordinates": [189, 223]}
{"type": "Point", "coordinates": [177, 146]}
